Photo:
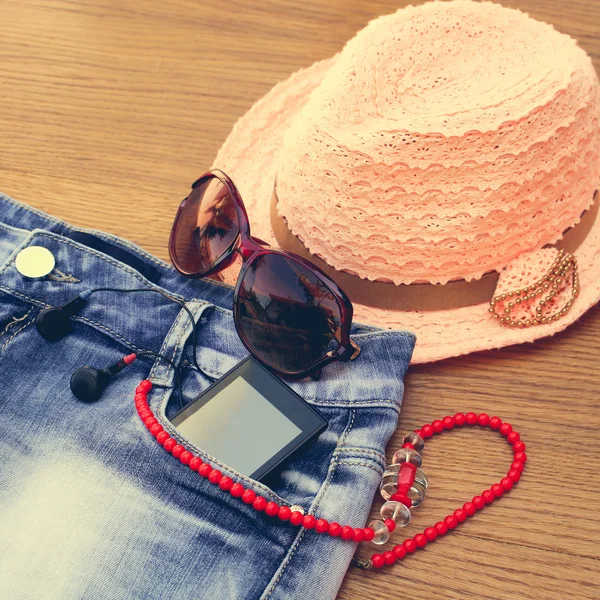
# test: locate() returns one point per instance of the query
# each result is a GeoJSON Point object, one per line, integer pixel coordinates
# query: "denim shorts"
{"type": "Point", "coordinates": [91, 507]}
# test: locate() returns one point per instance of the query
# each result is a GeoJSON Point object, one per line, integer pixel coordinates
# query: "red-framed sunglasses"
{"type": "Point", "coordinates": [290, 315]}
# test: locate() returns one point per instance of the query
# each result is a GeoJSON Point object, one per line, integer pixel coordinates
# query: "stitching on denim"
{"type": "Point", "coordinates": [58, 275]}
{"type": "Point", "coordinates": [15, 321]}
{"type": "Point", "coordinates": [371, 402]}
{"type": "Point", "coordinates": [358, 463]}
{"type": "Point", "coordinates": [15, 333]}
{"type": "Point", "coordinates": [101, 256]}
{"type": "Point", "coordinates": [348, 451]}
{"type": "Point", "coordinates": [315, 505]}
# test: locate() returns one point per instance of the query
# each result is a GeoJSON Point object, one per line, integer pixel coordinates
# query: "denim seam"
{"type": "Point", "coordinates": [315, 505]}
{"type": "Point", "coordinates": [14, 322]}
{"type": "Point", "coordinates": [358, 463]}
{"type": "Point", "coordinates": [348, 452]}
{"type": "Point", "coordinates": [15, 333]}
{"type": "Point", "coordinates": [370, 402]}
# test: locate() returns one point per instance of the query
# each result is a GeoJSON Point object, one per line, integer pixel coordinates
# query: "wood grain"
{"type": "Point", "coordinates": [108, 110]}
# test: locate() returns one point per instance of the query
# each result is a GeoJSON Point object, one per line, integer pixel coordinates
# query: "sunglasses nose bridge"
{"type": "Point", "coordinates": [248, 248]}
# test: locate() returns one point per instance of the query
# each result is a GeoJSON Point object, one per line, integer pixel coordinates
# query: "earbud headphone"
{"type": "Point", "coordinates": [54, 322]}
{"type": "Point", "coordinates": [88, 383]}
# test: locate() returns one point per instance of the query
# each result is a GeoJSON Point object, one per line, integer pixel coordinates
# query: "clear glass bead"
{"type": "Point", "coordinates": [297, 508]}
{"type": "Point", "coordinates": [417, 494]}
{"type": "Point", "coordinates": [414, 439]}
{"type": "Point", "coordinates": [382, 533]}
{"type": "Point", "coordinates": [396, 511]}
{"type": "Point", "coordinates": [421, 478]}
{"type": "Point", "coordinates": [389, 481]}
{"type": "Point", "coordinates": [407, 455]}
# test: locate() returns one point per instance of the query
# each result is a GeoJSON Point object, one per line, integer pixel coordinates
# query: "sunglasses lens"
{"type": "Point", "coordinates": [288, 316]}
{"type": "Point", "coordinates": [205, 228]}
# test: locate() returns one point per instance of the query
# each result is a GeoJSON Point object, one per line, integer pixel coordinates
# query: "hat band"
{"type": "Point", "coordinates": [415, 296]}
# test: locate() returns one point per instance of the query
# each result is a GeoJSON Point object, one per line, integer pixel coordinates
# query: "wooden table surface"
{"type": "Point", "coordinates": [109, 110]}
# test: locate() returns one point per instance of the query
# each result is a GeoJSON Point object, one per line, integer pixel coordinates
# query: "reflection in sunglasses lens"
{"type": "Point", "coordinates": [206, 227]}
{"type": "Point", "coordinates": [289, 317]}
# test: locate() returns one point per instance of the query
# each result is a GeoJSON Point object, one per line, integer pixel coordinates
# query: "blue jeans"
{"type": "Point", "coordinates": [91, 507]}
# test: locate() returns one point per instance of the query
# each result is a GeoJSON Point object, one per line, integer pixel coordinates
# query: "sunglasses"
{"type": "Point", "coordinates": [290, 316]}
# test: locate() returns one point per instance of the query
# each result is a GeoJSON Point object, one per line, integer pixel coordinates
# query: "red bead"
{"type": "Point", "coordinates": [461, 515]}
{"type": "Point", "coordinates": [419, 432]}
{"type": "Point", "coordinates": [451, 522]}
{"type": "Point", "coordinates": [272, 509]}
{"type": "Point", "coordinates": [369, 534]}
{"type": "Point", "coordinates": [309, 522]}
{"type": "Point", "coordinates": [335, 529]}
{"type": "Point", "coordinates": [178, 450]}
{"type": "Point", "coordinates": [497, 490]}
{"type": "Point", "coordinates": [431, 534]}
{"type": "Point", "coordinates": [409, 545]}
{"type": "Point", "coordinates": [441, 528]}
{"type": "Point", "coordinates": [438, 426]}
{"type": "Point", "coordinates": [390, 524]}
{"type": "Point", "coordinates": [460, 419]}
{"type": "Point", "coordinates": [285, 512]}
{"type": "Point", "coordinates": [260, 504]}
{"type": "Point", "coordinates": [322, 526]}
{"type": "Point", "coordinates": [471, 418]}
{"type": "Point", "coordinates": [479, 502]}
{"type": "Point", "coordinates": [150, 421]}
{"type": "Point", "coordinates": [140, 396]}
{"type": "Point", "coordinates": [225, 483]}
{"type": "Point", "coordinates": [389, 558]}
{"type": "Point", "coordinates": [420, 540]}
{"type": "Point", "coordinates": [145, 414]}
{"type": "Point", "coordinates": [495, 422]}
{"type": "Point", "coordinates": [488, 496]}
{"type": "Point", "coordinates": [469, 508]}
{"type": "Point", "coordinates": [162, 437]}
{"type": "Point", "coordinates": [237, 490]}
{"type": "Point", "coordinates": [483, 419]}
{"type": "Point", "coordinates": [185, 457]}
{"type": "Point", "coordinates": [359, 535]}
{"type": "Point", "coordinates": [427, 431]}
{"type": "Point", "coordinates": [507, 484]}
{"type": "Point", "coordinates": [144, 387]}
{"type": "Point", "coordinates": [347, 532]}
{"type": "Point", "coordinates": [517, 466]}
{"type": "Point", "coordinates": [449, 422]}
{"type": "Point", "coordinates": [156, 429]}
{"type": "Point", "coordinates": [514, 475]}
{"type": "Point", "coordinates": [398, 497]}
{"type": "Point", "coordinates": [169, 444]}
{"type": "Point", "coordinates": [296, 518]}
{"type": "Point", "coordinates": [505, 428]}
{"type": "Point", "coordinates": [249, 496]}
{"type": "Point", "coordinates": [399, 551]}
{"type": "Point", "coordinates": [204, 470]}
{"type": "Point", "coordinates": [519, 446]}
{"type": "Point", "coordinates": [513, 437]}
{"type": "Point", "coordinates": [215, 476]}
{"type": "Point", "coordinates": [377, 561]}
{"type": "Point", "coordinates": [521, 457]}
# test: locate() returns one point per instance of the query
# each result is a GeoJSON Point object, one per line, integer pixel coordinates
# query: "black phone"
{"type": "Point", "coordinates": [250, 420]}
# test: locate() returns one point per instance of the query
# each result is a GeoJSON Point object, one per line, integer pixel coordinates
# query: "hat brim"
{"type": "Point", "coordinates": [250, 155]}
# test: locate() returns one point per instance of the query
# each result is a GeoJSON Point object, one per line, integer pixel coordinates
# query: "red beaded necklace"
{"type": "Point", "coordinates": [407, 473]}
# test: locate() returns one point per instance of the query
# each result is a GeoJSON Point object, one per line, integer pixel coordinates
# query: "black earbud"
{"type": "Point", "coordinates": [54, 322]}
{"type": "Point", "coordinates": [88, 383]}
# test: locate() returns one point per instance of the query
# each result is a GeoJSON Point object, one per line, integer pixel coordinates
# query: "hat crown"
{"type": "Point", "coordinates": [432, 151]}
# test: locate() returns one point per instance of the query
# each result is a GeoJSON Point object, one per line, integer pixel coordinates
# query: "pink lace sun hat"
{"type": "Point", "coordinates": [439, 161]}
